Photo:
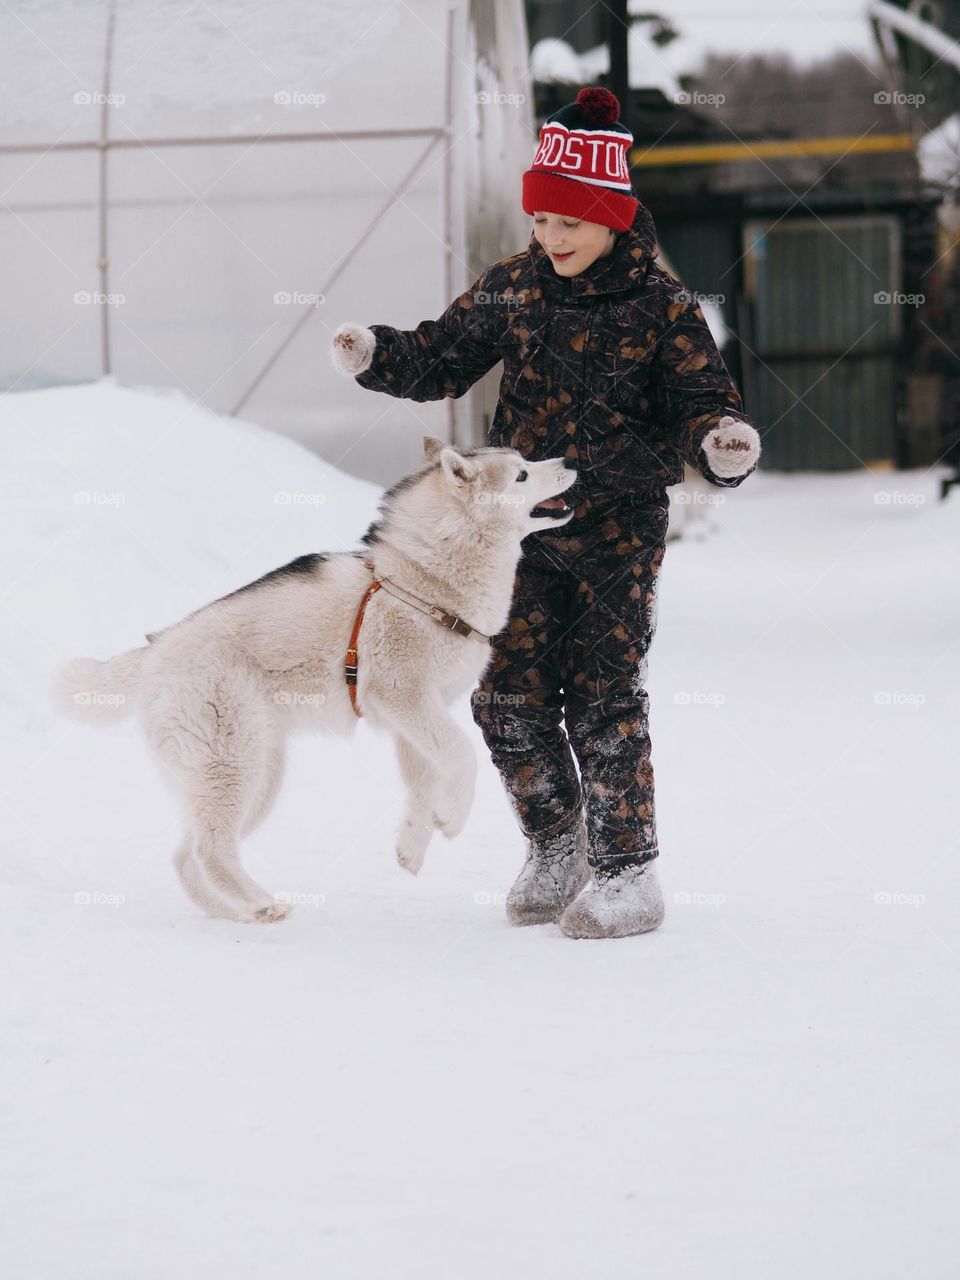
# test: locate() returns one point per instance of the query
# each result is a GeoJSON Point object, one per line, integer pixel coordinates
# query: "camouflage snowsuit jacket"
{"type": "Point", "coordinates": [616, 368]}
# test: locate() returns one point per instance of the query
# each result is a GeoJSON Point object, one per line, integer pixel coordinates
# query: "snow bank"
{"type": "Point", "coordinates": [124, 509]}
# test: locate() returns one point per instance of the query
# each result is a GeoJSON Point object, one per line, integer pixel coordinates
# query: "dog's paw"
{"type": "Point", "coordinates": [452, 806]}
{"type": "Point", "coordinates": [450, 817]}
{"type": "Point", "coordinates": [271, 914]}
{"type": "Point", "coordinates": [410, 859]}
{"type": "Point", "coordinates": [351, 351]}
{"type": "Point", "coordinates": [412, 845]}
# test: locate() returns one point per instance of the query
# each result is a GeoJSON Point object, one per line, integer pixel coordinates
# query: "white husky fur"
{"type": "Point", "coordinates": [218, 692]}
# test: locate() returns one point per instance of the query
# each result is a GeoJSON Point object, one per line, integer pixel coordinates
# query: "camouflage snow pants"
{"type": "Point", "coordinates": [575, 650]}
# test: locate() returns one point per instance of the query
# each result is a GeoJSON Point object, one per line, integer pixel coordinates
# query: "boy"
{"type": "Point", "coordinates": [607, 360]}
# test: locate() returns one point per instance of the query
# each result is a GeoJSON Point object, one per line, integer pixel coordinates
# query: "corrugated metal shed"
{"type": "Point", "coordinates": [824, 308]}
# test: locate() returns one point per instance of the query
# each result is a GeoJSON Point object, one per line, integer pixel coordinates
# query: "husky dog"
{"type": "Point", "coordinates": [218, 692]}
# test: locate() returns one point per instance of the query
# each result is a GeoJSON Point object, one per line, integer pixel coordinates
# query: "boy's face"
{"type": "Point", "coordinates": [572, 243]}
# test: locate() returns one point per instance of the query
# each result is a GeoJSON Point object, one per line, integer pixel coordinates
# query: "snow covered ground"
{"type": "Point", "coordinates": [396, 1083]}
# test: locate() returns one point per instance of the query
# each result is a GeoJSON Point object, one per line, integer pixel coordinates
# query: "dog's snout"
{"type": "Point", "coordinates": [570, 464]}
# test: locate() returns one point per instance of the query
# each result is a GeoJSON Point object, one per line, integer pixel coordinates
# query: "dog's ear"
{"type": "Point", "coordinates": [458, 469]}
{"type": "Point", "coordinates": [432, 448]}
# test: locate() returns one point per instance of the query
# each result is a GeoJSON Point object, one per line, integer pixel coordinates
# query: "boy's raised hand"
{"type": "Point", "coordinates": [352, 348]}
{"type": "Point", "coordinates": [732, 447]}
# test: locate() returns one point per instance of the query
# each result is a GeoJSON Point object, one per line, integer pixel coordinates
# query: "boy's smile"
{"type": "Point", "coordinates": [571, 243]}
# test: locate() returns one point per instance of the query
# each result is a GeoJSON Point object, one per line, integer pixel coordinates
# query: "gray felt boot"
{"type": "Point", "coordinates": [554, 873]}
{"type": "Point", "coordinates": [617, 904]}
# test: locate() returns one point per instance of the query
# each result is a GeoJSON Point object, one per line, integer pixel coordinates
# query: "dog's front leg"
{"type": "Point", "coordinates": [416, 829]}
{"type": "Point", "coordinates": [443, 765]}
{"type": "Point", "coordinates": [439, 739]}
{"type": "Point", "coordinates": [455, 794]}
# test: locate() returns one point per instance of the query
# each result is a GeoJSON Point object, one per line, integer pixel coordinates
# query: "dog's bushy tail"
{"type": "Point", "coordinates": [98, 692]}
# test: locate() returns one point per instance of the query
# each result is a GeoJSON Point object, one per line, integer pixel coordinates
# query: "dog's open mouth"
{"type": "Point", "coordinates": [551, 508]}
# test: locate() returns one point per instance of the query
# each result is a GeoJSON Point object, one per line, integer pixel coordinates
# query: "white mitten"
{"type": "Point", "coordinates": [732, 447]}
{"type": "Point", "coordinates": [352, 349]}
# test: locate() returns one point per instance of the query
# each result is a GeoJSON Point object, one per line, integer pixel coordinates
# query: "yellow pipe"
{"type": "Point", "coordinates": [725, 152]}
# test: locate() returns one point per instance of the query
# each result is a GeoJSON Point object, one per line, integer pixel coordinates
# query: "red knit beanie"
{"type": "Point", "coordinates": [581, 168]}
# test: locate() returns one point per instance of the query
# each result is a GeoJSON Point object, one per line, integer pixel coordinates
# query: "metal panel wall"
{"type": "Point", "coordinates": [825, 326]}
